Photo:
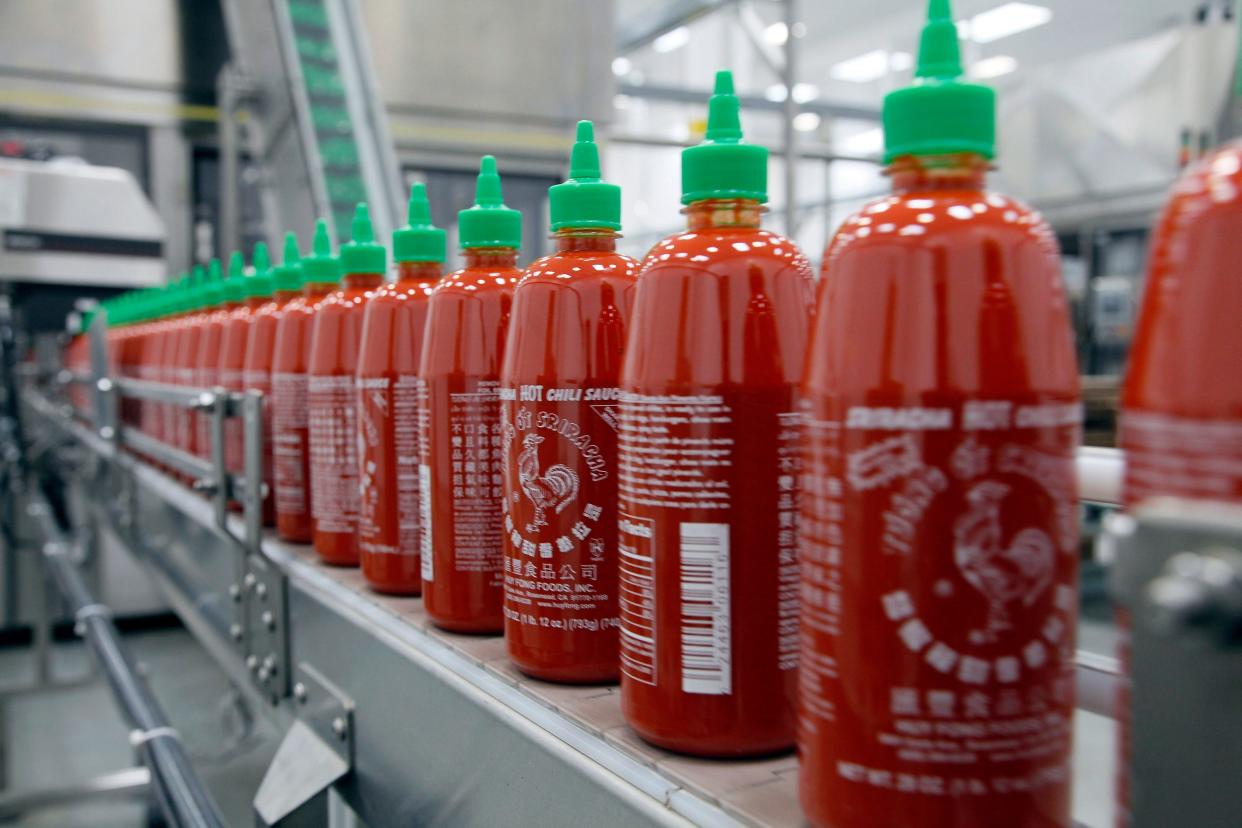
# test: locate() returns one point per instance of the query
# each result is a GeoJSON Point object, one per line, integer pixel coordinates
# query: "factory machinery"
{"type": "Point", "coordinates": [413, 725]}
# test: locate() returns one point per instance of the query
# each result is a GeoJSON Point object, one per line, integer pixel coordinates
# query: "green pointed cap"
{"type": "Point", "coordinates": [362, 254]}
{"type": "Point", "coordinates": [235, 284]}
{"type": "Point", "coordinates": [724, 166]}
{"type": "Point", "coordinates": [213, 285]}
{"type": "Point", "coordinates": [287, 276]}
{"type": "Point", "coordinates": [321, 267]}
{"type": "Point", "coordinates": [419, 240]}
{"type": "Point", "coordinates": [585, 200]}
{"type": "Point", "coordinates": [939, 114]}
{"type": "Point", "coordinates": [489, 223]}
{"type": "Point", "coordinates": [259, 283]}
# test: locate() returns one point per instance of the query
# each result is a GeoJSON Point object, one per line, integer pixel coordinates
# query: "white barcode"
{"type": "Point", "coordinates": [428, 561]}
{"type": "Point", "coordinates": [706, 651]}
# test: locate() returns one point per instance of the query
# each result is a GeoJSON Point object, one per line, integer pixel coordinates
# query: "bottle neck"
{"type": "Point", "coordinates": [723, 212]}
{"type": "Point", "coordinates": [961, 171]}
{"type": "Point", "coordinates": [585, 239]}
{"type": "Point", "coordinates": [318, 288]}
{"type": "Point", "coordinates": [285, 295]}
{"type": "Point", "coordinates": [256, 301]}
{"type": "Point", "coordinates": [490, 257]}
{"type": "Point", "coordinates": [362, 281]}
{"type": "Point", "coordinates": [419, 271]}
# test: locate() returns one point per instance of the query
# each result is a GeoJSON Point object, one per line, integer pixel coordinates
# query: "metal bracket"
{"type": "Point", "coordinates": [1178, 576]}
{"type": "Point", "coordinates": [317, 751]}
{"type": "Point", "coordinates": [265, 606]}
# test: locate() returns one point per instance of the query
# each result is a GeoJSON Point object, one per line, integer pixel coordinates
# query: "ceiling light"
{"type": "Point", "coordinates": [621, 66]}
{"type": "Point", "coordinates": [867, 142]}
{"type": "Point", "coordinates": [776, 34]}
{"type": "Point", "coordinates": [803, 92]}
{"type": "Point", "coordinates": [1007, 20]}
{"type": "Point", "coordinates": [799, 29]}
{"type": "Point", "coordinates": [866, 67]}
{"type": "Point", "coordinates": [900, 61]}
{"type": "Point", "coordinates": [775, 92]}
{"type": "Point", "coordinates": [672, 41]}
{"type": "Point", "coordinates": [993, 67]}
{"type": "Point", "coordinates": [806, 121]}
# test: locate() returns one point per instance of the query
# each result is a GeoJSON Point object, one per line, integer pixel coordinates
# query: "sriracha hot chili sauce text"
{"type": "Point", "coordinates": [389, 531]}
{"type": "Point", "coordinates": [559, 394]}
{"type": "Point", "coordinates": [331, 402]}
{"type": "Point", "coordinates": [459, 413]}
{"type": "Point", "coordinates": [321, 273]}
{"type": "Point", "coordinates": [1181, 422]}
{"type": "Point", "coordinates": [939, 504]}
{"type": "Point", "coordinates": [708, 463]}
{"type": "Point", "coordinates": [285, 286]}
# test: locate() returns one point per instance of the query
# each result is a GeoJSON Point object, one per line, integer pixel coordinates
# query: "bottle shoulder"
{"type": "Point", "coordinates": [578, 269]}
{"type": "Point", "coordinates": [723, 250]}
{"type": "Point", "coordinates": [940, 217]}
{"type": "Point", "coordinates": [477, 281]}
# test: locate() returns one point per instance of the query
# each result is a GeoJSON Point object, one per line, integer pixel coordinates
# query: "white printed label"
{"type": "Point", "coordinates": [289, 401]}
{"type": "Point", "coordinates": [706, 651]}
{"type": "Point", "coordinates": [636, 562]}
{"type": "Point", "coordinates": [424, 484]}
{"type": "Point", "coordinates": [333, 453]}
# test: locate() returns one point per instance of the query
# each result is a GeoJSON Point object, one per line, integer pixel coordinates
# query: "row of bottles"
{"type": "Point", "coordinates": [842, 513]}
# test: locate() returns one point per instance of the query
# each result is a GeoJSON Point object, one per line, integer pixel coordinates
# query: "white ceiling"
{"type": "Point", "coordinates": [837, 30]}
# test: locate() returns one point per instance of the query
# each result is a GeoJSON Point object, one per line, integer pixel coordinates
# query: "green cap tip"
{"type": "Point", "coordinates": [584, 200]}
{"type": "Point", "coordinates": [489, 223]}
{"type": "Point", "coordinates": [584, 157]}
{"type": "Point", "coordinates": [724, 166]}
{"type": "Point", "coordinates": [939, 114]}
{"type": "Point", "coordinates": [237, 265]}
{"type": "Point", "coordinates": [362, 254]}
{"type": "Point", "coordinates": [261, 259]}
{"type": "Point", "coordinates": [287, 276]}
{"type": "Point", "coordinates": [321, 266]}
{"type": "Point", "coordinates": [360, 230]}
{"type": "Point", "coordinates": [487, 192]}
{"type": "Point", "coordinates": [419, 240]}
{"type": "Point", "coordinates": [290, 255]}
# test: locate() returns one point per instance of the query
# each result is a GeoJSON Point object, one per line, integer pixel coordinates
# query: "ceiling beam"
{"type": "Point", "coordinates": [678, 94]}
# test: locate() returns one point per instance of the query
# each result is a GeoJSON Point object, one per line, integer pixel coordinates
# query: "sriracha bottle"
{"type": "Point", "coordinates": [321, 273]}
{"type": "Point", "coordinates": [256, 288]}
{"type": "Point", "coordinates": [1181, 422]}
{"type": "Point", "coordinates": [177, 419]}
{"type": "Point", "coordinates": [331, 401]}
{"type": "Point", "coordinates": [389, 532]}
{"type": "Point", "coordinates": [559, 392]}
{"type": "Point", "coordinates": [708, 460]}
{"type": "Point", "coordinates": [939, 503]}
{"type": "Point", "coordinates": [226, 296]}
{"type": "Point", "coordinates": [459, 413]}
{"type": "Point", "coordinates": [285, 285]}
{"type": "Point", "coordinates": [188, 347]}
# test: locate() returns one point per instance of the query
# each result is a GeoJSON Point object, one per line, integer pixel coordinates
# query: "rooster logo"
{"type": "Point", "coordinates": [1002, 574]}
{"type": "Point", "coordinates": [554, 489]}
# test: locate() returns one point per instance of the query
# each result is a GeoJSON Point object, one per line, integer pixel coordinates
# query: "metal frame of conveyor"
{"type": "Point", "coordinates": [412, 726]}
